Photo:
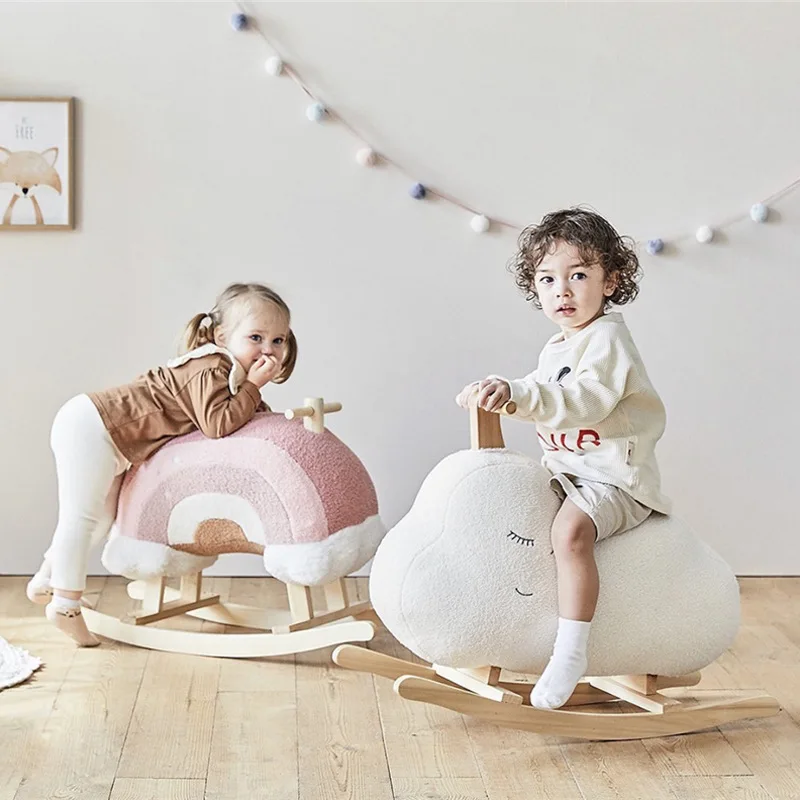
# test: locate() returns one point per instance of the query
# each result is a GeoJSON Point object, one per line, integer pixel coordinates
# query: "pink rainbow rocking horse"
{"type": "Point", "coordinates": [287, 490]}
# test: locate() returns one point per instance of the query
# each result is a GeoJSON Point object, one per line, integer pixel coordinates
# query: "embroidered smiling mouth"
{"type": "Point", "coordinates": [523, 594]}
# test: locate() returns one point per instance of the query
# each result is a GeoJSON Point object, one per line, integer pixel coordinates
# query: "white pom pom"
{"type": "Point", "coordinates": [367, 157]}
{"type": "Point", "coordinates": [315, 112]}
{"type": "Point", "coordinates": [274, 65]}
{"type": "Point", "coordinates": [759, 212]}
{"type": "Point", "coordinates": [704, 234]}
{"type": "Point", "coordinates": [479, 223]}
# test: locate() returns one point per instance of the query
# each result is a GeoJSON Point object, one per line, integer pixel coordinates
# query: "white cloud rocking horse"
{"type": "Point", "coordinates": [283, 487]}
{"type": "Point", "coordinates": [467, 579]}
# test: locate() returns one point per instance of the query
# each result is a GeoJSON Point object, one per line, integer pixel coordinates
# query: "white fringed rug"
{"type": "Point", "coordinates": [16, 665]}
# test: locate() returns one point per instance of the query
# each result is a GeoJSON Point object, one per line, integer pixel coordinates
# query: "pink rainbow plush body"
{"type": "Point", "coordinates": [302, 499]}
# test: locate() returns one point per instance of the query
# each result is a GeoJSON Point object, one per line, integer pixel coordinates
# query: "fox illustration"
{"type": "Point", "coordinates": [28, 171]}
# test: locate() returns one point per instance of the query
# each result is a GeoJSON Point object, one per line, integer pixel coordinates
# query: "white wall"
{"type": "Point", "coordinates": [195, 169]}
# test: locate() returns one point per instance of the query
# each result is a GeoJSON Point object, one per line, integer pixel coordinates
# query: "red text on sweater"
{"type": "Point", "coordinates": [586, 436]}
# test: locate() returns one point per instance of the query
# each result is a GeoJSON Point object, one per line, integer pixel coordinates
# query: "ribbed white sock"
{"type": "Point", "coordinates": [65, 603]}
{"type": "Point", "coordinates": [566, 667]}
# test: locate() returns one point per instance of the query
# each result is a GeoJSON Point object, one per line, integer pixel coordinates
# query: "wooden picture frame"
{"type": "Point", "coordinates": [37, 163]}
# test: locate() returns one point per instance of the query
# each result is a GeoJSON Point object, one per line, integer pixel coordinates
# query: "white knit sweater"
{"type": "Point", "coordinates": [597, 415]}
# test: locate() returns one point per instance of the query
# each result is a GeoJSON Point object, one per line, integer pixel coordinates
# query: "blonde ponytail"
{"type": "Point", "coordinates": [199, 331]}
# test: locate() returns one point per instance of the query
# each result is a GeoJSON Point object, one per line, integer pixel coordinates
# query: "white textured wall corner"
{"type": "Point", "coordinates": [196, 167]}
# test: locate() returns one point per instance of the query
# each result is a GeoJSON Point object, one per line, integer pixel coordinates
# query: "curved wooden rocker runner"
{"type": "Point", "coordinates": [301, 629]}
{"type": "Point", "coordinates": [481, 692]}
{"type": "Point", "coordinates": [282, 487]}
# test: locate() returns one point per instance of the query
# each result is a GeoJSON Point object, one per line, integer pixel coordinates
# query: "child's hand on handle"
{"type": "Point", "coordinates": [468, 391]}
{"type": "Point", "coordinates": [492, 394]}
{"type": "Point", "coordinates": [263, 370]}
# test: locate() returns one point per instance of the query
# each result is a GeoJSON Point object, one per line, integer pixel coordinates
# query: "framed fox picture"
{"type": "Point", "coordinates": [37, 175]}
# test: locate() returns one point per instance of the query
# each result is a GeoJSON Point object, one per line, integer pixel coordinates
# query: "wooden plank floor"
{"type": "Point", "coordinates": [119, 723]}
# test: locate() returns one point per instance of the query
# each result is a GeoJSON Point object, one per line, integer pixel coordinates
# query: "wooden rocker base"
{"type": "Point", "coordinates": [664, 715]}
{"type": "Point", "coordinates": [301, 629]}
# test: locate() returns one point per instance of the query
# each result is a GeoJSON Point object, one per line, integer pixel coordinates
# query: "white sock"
{"type": "Point", "coordinates": [566, 667]}
{"type": "Point", "coordinates": [65, 603]}
{"type": "Point", "coordinates": [38, 588]}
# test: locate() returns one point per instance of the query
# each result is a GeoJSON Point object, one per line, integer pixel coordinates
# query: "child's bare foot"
{"type": "Point", "coordinates": [38, 589]}
{"type": "Point", "coordinates": [66, 615]}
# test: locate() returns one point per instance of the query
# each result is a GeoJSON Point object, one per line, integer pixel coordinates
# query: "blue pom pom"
{"type": "Point", "coordinates": [316, 112]}
{"type": "Point", "coordinates": [655, 246]}
{"type": "Point", "coordinates": [239, 22]}
{"type": "Point", "coordinates": [417, 191]}
{"type": "Point", "coordinates": [759, 212]}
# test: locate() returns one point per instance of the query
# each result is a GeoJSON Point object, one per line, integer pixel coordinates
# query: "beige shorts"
{"type": "Point", "coordinates": [611, 509]}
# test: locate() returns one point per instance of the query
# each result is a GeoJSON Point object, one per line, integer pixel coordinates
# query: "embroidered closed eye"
{"type": "Point", "coordinates": [520, 539]}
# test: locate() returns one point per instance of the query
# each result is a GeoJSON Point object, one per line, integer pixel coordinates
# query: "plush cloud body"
{"type": "Point", "coordinates": [467, 578]}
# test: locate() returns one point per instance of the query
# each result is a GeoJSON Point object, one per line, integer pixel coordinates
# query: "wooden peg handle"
{"type": "Point", "coordinates": [484, 426]}
{"type": "Point", "coordinates": [294, 413]}
{"type": "Point", "coordinates": [314, 412]}
{"type": "Point", "coordinates": [308, 411]}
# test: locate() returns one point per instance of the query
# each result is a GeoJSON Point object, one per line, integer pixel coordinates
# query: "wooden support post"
{"type": "Point", "coordinates": [302, 610]}
{"type": "Point", "coordinates": [336, 595]}
{"type": "Point", "coordinates": [316, 422]}
{"type": "Point", "coordinates": [154, 595]}
{"type": "Point", "coordinates": [191, 586]}
{"type": "Point", "coordinates": [154, 608]}
{"type": "Point", "coordinates": [300, 602]}
{"type": "Point", "coordinates": [484, 429]}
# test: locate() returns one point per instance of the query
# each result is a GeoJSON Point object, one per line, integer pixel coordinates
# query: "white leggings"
{"type": "Point", "coordinates": [90, 469]}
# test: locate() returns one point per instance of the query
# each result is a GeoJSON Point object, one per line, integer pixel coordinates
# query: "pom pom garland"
{"type": "Point", "coordinates": [274, 65]}
{"type": "Point", "coordinates": [704, 234]}
{"type": "Point", "coordinates": [479, 223]}
{"type": "Point", "coordinates": [316, 112]}
{"type": "Point", "coordinates": [366, 156]}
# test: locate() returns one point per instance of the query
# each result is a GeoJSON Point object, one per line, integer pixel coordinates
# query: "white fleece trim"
{"type": "Point", "coordinates": [308, 563]}
{"type": "Point", "coordinates": [139, 559]}
{"type": "Point", "coordinates": [315, 563]}
{"type": "Point", "coordinates": [237, 373]}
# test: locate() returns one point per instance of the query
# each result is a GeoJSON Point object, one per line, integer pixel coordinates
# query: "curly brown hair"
{"type": "Point", "coordinates": [596, 241]}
